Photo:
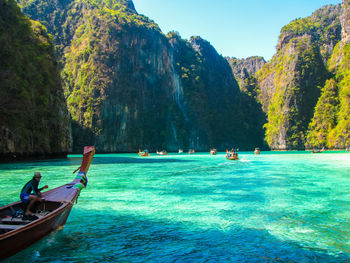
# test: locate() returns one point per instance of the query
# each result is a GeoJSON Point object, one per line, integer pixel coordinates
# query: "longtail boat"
{"type": "Point", "coordinates": [232, 155]}
{"type": "Point", "coordinates": [318, 150]}
{"type": "Point", "coordinates": [213, 151]}
{"type": "Point", "coordinates": [163, 152]}
{"type": "Point", "coordinates": [17, 234]}
{"type": "Point", "coordinates": [257, 151]}
{"type": "Point", "coordinates": [143, 153]}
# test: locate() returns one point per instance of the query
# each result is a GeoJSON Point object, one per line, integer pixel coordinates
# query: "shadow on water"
{"type": "Point", "coordinates": [118, 238]}
{"type": "Point", "coordinates": [76, 161]}
{"type": "Point", "coordinates": [114, 160]}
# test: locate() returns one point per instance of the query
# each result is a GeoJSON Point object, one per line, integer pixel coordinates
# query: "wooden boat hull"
{"type": "Point", "coordinates": [144, 153]}
{"type": "Point", "coordinates": [232, 158]}
{"type": "Point", "coordinates": [231, 155]}
{"type": "Point", "coordinates": [17, 234]}
{"type": "Point", "coordinates": [17, 240]}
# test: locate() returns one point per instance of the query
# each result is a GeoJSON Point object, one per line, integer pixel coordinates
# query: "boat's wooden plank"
{"type": "Point", "coordinates": [15, 220]}
{"type": "Point", "coordinates": [8, 226]}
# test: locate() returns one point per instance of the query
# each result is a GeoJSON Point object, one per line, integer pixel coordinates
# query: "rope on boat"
{"type": "Point", "coordinates": [76, 169]}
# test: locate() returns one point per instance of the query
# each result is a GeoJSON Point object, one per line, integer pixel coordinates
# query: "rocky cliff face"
{"type": "Point", "coordinates": [289, 84]}
{"type": "Point", "coordinates": [244, 69]}
{"type": "Point", "coordinates": [128, 86]}
{"type": "Point", "coordinates": [209, 92]}
{"type": "Point", "coordinates": [121, 87]}
{"type": "Point", "coordinates": [250, 108]}
{"type": "Point", "coordinates": [34, 120]}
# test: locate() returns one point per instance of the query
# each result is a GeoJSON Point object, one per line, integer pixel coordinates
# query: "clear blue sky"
{"type": "Point", "coordinates": [236, 28]}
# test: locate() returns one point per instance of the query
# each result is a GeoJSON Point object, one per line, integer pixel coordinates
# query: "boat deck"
{"type": "Point", "coordinates": [16, 221]}
{"type": "Point", "coordinates": [64, 193]}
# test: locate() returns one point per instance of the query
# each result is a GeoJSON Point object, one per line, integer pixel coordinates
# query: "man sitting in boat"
{"type": "Point", "coordinates": [29, 198]}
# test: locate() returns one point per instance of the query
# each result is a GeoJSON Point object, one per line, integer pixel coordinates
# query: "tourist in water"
{"type": "Point", "coordinates": [30, 193]}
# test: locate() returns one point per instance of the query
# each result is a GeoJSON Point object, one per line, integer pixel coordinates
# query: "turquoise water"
{"type": "Point", "coordinates": [273, 207]}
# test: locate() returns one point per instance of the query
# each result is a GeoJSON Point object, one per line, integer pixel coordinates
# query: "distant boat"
{"type": "Point", "coordinates": [144, 153]}
{"type": "Point", "coordinates": [213, 151]}
{"type": "Point", "coordinates": [318, 150]}
{"type": "Point", "coordinates": [18, 233]}
{"type": "Point", "coordinates": [164, 152]}
{"type": "Point", "coordinates": [191, 151]}
{"type": "Point", "coordinates": [232, 155]}
{"type": "Point", "coordinates": [257, 151]}
{"type": "Point", "coordinates": [181, 151]}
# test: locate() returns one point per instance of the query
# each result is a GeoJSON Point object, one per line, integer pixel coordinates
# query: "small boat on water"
{"type": "Point", "coordinates": [232, 155]}
{"type": "Point", "coordinates": [164, 152]}
{"type": "Point", "coordinates": [257, 151]}
{"type": "Point", "coordinates": [191, 151]}
{"type": "Point", "coordinates": [318, 150]}
{"type": "Point", "coordinates": [213, 151]}
{"type": "Point", "coordinates": [144, 153]}
{"type": "Point", "coordinates": [17, 233]}
{"type": "Point", "coordinates": [181, 151]}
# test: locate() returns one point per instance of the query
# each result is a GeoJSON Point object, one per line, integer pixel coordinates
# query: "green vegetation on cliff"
{"type": "Point", "coordinates": [323, 26]}
{"type": "Point", "coordinates": [33, 114]}
{"type": "Point", "coordinates": [330, 126]}
{"type": "Point", "coordinates": [92, 37]}
{"type": "Point", "coordinates": [325, 117]}
{"type": "Point", "coordinates": [340, 136]}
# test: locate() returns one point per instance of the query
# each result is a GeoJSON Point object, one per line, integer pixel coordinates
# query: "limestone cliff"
{"type": "Point", "coordinates": [209, 92]}
{"type": "Point", "coordinates": [244, 69]}
{"type": "Point", "coordinates": [250, 108]}
{"type": "Point", "coordinates": [330, 126]}
{"type": "Point", "coordinates": [289, 84]}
